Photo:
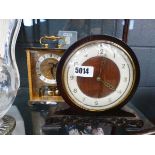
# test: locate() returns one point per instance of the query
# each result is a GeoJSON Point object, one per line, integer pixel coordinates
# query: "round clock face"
{"type": "Point", "coordinates": [46, 68]}
{"type": "Point", "coordinates": [98, 73]}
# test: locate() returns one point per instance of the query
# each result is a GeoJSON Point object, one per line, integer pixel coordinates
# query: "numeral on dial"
{"type": "Point", "coordinates": [125, 79]}
{"type": "Point", "coordinates": [96, 102]}
{"type": "Point", "coordinates": [75, 63]}
{"type": "Point", "coordinates": [114, 55]}
{"type": "Point", "coordinates": [83, 99]}
{"type": "Point", "coordinates": [109, 99]}
{"type": "Point", "coordinates": [123, 66]}
{"type": "Point", "coordinates": [119, 91]}
{"type": "Point", "coordinates": [71, 77]}
{"type": "Point", "coordinates": [86, 55]}
{"type": "Point", "coordinates": [101, 52]}
{"type": "Point", "coordinates": [75, 90]}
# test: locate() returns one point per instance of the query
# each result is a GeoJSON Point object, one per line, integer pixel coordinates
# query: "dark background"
{"type": "Point", "coordinates": [141, 39]}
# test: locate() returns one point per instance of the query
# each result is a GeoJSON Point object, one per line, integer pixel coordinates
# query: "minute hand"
{"type": "Point", "coordinates": [107, 84]}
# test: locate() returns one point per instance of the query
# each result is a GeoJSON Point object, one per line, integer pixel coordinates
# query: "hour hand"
{"type": "Point", "coordinates": [106, 84]}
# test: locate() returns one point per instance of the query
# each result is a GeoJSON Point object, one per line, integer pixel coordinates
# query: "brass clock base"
{"type": "Point", "coordinates": [8, 125]}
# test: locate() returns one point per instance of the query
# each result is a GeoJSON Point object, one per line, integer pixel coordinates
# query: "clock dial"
{"type": "Point", "coordinates": [42, 66]}
{"type": "Point", "coordinates": [98, 73]}
{"type": "Point", "coordinates": [46, 68]}
{"type": "Point", "coordinates": [104, 67]}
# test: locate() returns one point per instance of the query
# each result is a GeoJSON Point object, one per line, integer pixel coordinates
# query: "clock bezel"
{"type": "Point", "coordinates": [82, 42]}
{"type": "Point", "coordinates": [38, 67]}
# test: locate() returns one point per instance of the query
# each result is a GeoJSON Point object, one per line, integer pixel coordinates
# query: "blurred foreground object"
{"type": "Point", "coordinates": [9, 74]}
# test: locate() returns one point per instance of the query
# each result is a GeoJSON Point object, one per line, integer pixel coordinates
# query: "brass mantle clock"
{"type": "Point", "coordinates": [42, 64]}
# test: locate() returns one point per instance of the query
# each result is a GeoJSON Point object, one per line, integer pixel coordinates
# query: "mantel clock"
{"type": "Point", "coordinates": [98, 73]}
{"type": "Point", "coordinates": [42, 64]}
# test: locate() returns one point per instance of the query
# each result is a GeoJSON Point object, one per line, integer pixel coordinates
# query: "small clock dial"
{"type": "Point", "coordinates": [46, 68]}
{"type": "Point", "coordinates": [98, 73]}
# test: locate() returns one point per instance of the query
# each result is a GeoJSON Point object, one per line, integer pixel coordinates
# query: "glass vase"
{"type": "Point", "coordinates": [9, 74]}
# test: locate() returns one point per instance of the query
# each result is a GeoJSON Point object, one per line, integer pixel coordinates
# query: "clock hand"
{"type": "Point", "coordinates": [107, 84]}
{"type": "Point", "coordinates": [49, 72]}
{"type": "Point", "coordinates": [53, 66]}
{"type": "Point", "coordinates": [101, 66]}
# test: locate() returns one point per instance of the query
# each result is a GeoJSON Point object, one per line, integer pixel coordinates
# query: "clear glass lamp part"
{"type": "Point", "coordinates": [9, 74]}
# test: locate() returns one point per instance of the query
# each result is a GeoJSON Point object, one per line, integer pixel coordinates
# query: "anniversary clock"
{"type": "Point", "coordinates": [42, 64]}
{"type": "Point", "coordinates": [98, 73]}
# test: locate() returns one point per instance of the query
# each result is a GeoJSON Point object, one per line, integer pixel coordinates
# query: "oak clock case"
{"type": "Point", "coordinates": [98, 73]}
{"type": "Point", "coordinates": [42, 64]}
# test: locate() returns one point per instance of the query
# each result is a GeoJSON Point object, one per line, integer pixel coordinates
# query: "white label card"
{"type": "Point", "coordinates": [84, 71]}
